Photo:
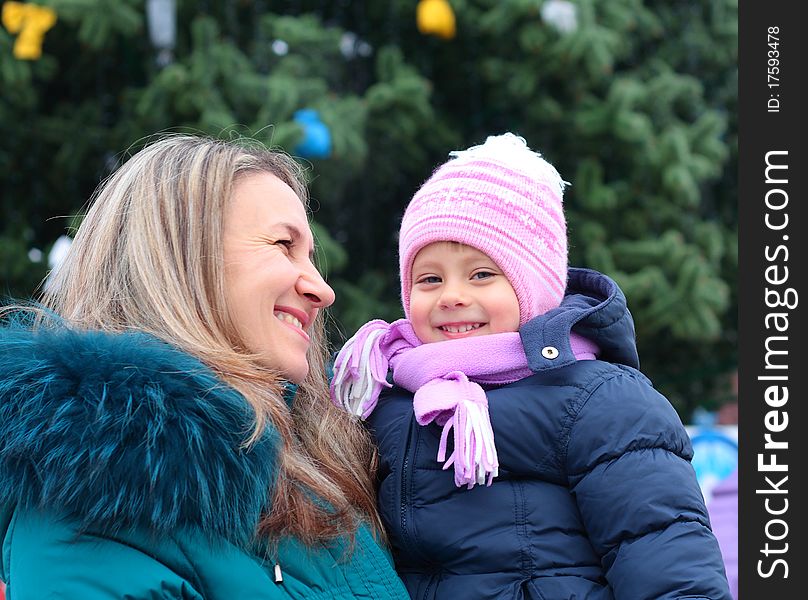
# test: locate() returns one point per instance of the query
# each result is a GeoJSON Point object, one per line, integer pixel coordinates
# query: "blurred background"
{"type": "Point", "coordinates": [635, 102]}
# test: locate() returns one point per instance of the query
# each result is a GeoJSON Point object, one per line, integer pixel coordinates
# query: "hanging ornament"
{"type": "Point", "coordinates": [56, 256]}
{"type": "Point", "coordinates": [351, 46]}
{"type": "Point", "coordinates": [436, 17]}
{"type": "Point", "coordinates": [316, 141]}
{"type": "Point", "coordinates": [30, 21]}
{"type": "Point", "coordinates": [162, 18]}
{"type": "Point", "coordinates": [280, 47]}
{"type": "Point", "coordinates": [561, 14]}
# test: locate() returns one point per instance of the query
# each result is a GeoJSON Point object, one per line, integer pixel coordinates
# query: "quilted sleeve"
{"type": "Point", "coordinates": [628, 461]}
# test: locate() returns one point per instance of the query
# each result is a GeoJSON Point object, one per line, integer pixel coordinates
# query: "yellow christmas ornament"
{"type": "Point", "coordinates": [30, 21]}
{"type": "Point", "coordinates": [436, 17]}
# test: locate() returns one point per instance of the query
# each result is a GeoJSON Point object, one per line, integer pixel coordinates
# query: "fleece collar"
{"type": "Point", "coordinates": [595, 308]}
{"type": "Point", "coordinates": [124, 430]}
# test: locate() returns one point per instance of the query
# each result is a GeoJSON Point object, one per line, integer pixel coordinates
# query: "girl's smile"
{"type": "Point", "coordinates": [459, 292]}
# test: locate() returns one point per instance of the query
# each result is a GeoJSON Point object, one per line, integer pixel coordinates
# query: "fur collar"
{"type": "Point", "coordinates": [122, 430]}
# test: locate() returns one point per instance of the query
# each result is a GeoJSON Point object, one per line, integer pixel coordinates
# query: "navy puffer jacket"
{"type": "Point", "coordinates": [595, 499]}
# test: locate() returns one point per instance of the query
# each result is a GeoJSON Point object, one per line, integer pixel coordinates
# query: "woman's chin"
{"type": "Point", "coordinates": [296, 375]}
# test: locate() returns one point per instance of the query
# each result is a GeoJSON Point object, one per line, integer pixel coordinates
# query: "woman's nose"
{"type": "Point", "coordinates": [312, 285]}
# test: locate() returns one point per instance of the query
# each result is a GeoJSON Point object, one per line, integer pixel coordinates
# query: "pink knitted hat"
{"type": "Point", "coordinates": [505, 200]}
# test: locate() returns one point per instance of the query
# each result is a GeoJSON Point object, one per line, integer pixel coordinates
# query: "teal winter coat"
{"type": "Point", "coordinates": [123, 475]}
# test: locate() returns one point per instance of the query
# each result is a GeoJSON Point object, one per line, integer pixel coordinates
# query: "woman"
{"type": "Point", "coordinates": [165, 428]}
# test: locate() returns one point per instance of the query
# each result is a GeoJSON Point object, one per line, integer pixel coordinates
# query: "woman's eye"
{"type": "Point", "coordinates": [285, 243]}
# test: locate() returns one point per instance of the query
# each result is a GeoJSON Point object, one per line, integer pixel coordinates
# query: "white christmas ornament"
{"type": "Point", "coordinates": [561, 14]}
{"type": "Point", "coordinates": [59, 251]}
{"type": "Point", "coordinates": [56, 256]}
{"type": "Point", "coordinates": [280, 47]}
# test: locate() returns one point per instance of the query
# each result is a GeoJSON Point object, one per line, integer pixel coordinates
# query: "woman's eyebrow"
{"type": "Point", "coordinates": [290, 228]}
{"type": "Point", "coordinates": [296, 234]}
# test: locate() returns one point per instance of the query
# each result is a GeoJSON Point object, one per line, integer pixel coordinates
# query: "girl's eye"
{"type": "Point", "coordinates": [483, 275]}
{"type": "Point", "coordinates": [429, 279]}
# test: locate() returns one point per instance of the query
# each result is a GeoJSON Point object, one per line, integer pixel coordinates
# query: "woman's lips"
{"type": "Point", "coordinates": [292, 319]}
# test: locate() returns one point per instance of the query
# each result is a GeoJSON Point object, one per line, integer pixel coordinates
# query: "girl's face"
{"type": "Point", "coordinates": [273, 289]}
{"type": "Point", "coordinates": [459, 292]}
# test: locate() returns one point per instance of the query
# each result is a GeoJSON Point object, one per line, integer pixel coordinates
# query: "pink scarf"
{"type": "Point", "coordinates": [446, 378]}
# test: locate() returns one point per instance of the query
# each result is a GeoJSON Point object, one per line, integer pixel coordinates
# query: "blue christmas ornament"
{"type": "Point", "coordinates": [316, 142]}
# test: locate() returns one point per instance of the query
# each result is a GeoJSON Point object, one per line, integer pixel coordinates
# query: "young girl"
{"type": "Point", "coordinates": [522, 453]}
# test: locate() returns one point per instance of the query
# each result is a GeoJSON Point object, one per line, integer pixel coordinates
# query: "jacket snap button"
{"type": "Point", "coordinates": [549, 352]}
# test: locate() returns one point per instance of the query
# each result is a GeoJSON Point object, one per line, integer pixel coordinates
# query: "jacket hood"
{"type": "Point", "coordinates": [123, 430]}
{"type": "Point", "coordinates": [594, 307]}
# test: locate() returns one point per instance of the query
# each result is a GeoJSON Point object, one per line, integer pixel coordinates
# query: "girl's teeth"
{"type": "Point", "coordinates": [460, 328]}
{"type": "Point", "coordinates": [284, 316]}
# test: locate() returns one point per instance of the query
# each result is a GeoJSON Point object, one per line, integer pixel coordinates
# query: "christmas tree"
{"type": "Point", "coordinates": [633, 101]}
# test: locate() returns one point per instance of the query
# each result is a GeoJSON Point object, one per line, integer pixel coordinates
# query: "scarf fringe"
{"type": "Point", "coordinates": [474, 457]}
{"type": "Point", "coordinates": [360, 370]}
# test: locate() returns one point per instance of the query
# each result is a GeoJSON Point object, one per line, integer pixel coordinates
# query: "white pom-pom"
{"type": "Point", "coordinates": [513, 152]}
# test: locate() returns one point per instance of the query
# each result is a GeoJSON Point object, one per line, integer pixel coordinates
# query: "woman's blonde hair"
{"type": "Point", "coordinates": [148, 256]}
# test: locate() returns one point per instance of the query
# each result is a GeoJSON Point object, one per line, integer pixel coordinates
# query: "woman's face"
{"type": "Point", "coordinates": [273, 289]}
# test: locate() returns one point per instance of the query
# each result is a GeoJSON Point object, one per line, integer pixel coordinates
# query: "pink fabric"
{"type": "Point", "coordinates": [494, 359]}
{"type": "Point", "coordinates": [458, 404]}
{"type": "Point", "coordinates": [505, 200]}
{"type": "Point", "coordinates": [440, 375]}
{"type": "Point", "coordinates": [446, 379]}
